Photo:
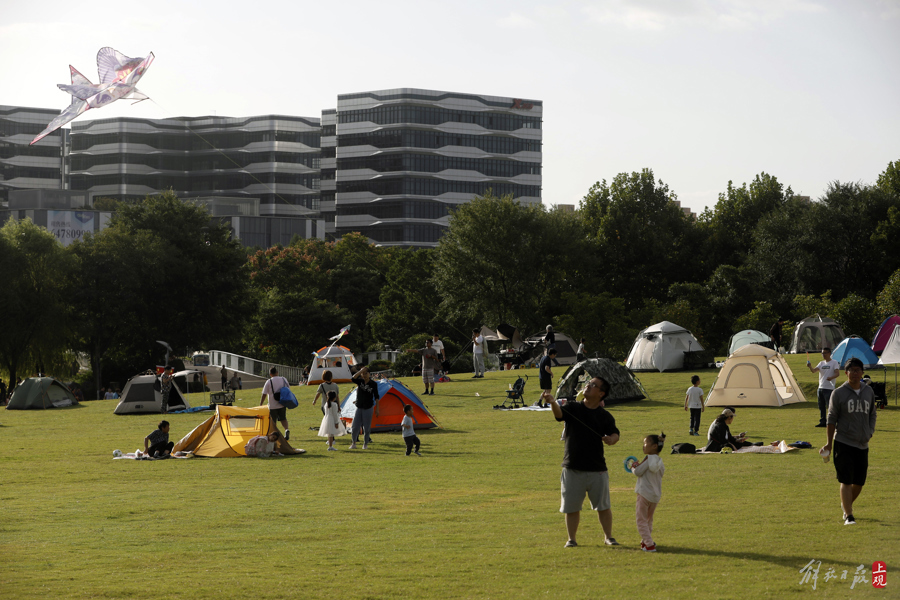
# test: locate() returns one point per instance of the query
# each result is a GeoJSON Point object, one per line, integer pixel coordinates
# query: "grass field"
{"type": "Point", "coordinates": [475, 517]}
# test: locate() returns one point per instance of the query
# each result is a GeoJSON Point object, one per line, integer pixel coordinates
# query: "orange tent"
{"type": "Point", "coordinates": [393, 396]}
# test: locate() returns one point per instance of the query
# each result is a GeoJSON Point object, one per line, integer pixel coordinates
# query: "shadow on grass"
{"type": "Point", "coordinates": [795, 562]}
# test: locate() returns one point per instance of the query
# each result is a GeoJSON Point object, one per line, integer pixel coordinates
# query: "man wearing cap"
{"type": "Point", "coordinates": [829, 370]}
{"type": "Point", "coordinates": [588, 427]}
{"type": "Point", "coordinates": [850, 425]}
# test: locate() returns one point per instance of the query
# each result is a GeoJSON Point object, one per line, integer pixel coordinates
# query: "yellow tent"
{"type": "Point", "coordinates": [227, 432]}
{"type": "Point", "coordinates": [755, 376]}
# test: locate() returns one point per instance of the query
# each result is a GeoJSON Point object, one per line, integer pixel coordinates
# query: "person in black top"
{"type": "Point", "coordinates": [550, 343]}
{"type": "Point", "coordinates": [720, 434]}
{"type": "Point", "coordinates": [366, 403]}
{"type": "Point", "coordinates": [546, 374]}
{"type": "Point", "coordinates": [157, 444]}
{"type": "Point", "coordinates": [588, 427]}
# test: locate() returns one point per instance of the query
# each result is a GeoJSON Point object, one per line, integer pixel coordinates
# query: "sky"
{"type": "Point", "coordinates": [702, 92]}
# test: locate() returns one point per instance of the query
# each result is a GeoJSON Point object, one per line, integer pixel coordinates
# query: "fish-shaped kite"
{"type": "Point", "coordinates": [119, 75]}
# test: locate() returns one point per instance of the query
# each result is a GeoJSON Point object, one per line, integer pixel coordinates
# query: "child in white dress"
{"type": "Point", "coordinates": [649, 474]}
{"type": "Point", "coordinates": [332, 426]}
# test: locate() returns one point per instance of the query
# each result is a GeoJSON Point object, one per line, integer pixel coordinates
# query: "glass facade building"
{"type": "Point", "coordinates": [25, 167]}
{"type": "Point", "coordinates": [405, 157]}
{"type": "Point", "coordinates": [273, 158]}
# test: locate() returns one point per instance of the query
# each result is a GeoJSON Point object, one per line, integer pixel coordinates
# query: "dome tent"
{"type": "Point", "coordinates": [623, 385]}
{"type": "Point", "coordinates": [814, 333]}
{"type": "Point", "coordinates": [884, 334]}
{"type": "Point", "coordinates": [39, 393]}
{"type": "Point", "coordinates": [392, 397]}
{"type": "Point", "coordinates": [755, 376]}
{"type": "Point", "coordinates": [337, 359]}
{"type": "Point", "coordinates": [855, 347]}
{"type": "Point", "coordinates": [748, 336]}
{"type": "Point", "coordinates": [661, 347]}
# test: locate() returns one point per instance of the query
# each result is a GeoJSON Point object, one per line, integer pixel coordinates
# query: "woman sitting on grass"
{"type": "Point", "coordinates": [720, 435]}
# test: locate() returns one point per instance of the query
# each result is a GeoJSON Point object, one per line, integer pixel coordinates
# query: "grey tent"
{"type": "Point", "coordinates": [814, 333]}
{"type": "Point", "coordinates": [41, 392]}
{"type": "Point", "coordinates": [623, 385]}
{"type": "Point", "coordinates": [140, 396]}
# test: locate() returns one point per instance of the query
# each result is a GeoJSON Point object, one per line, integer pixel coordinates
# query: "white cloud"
{"type": "Point", "coordinates": [516, 21]}
{"type": "Point", "coordinates": [659, 15]}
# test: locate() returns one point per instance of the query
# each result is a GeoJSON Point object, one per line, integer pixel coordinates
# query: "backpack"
{"type": "Point", "coordinates": [684, 448]}
{"type": "Point", "coordinates": [286, 397]}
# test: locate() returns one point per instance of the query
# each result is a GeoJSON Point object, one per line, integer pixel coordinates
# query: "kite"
{"type": "Point", "coordinates": [119, 75]}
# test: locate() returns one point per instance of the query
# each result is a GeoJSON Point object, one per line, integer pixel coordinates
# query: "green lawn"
{"type": "Point", "coordinates": [475, 517]}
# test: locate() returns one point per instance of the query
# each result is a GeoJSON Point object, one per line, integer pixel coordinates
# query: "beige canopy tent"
{"type": "Point", "coordinates": [225, 434]}
{"type": "Point", "coordinates": [755, 376]}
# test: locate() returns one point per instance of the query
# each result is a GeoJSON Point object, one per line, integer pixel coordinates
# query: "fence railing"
{"type": "Point", "coordinates": [252, 366]}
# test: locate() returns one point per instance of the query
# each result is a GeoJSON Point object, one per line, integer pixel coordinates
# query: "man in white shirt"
{"type": "Point", "coordinates": [277, 410]}
{"type": "Point", "coordinates": [478, 353]}
{"type": "Point", "coordinates": [829, 370]}
{"type": "Point", "coordinates": [438, 345]}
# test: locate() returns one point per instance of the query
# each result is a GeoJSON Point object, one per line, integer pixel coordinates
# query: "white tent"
{"type": "Point", "coordinates": [891, 353]}
{"type": "Point", "coordinates": [755, 376]}
{"type": "Point", "coordinates": [141, 396]}
{"type": "Point", "coordinates": [814, 333]}
{"type": "Point", "coordinates": [337, 359]}
{"type": "Point", "coordinates": [747, 336]}
{"type": "Point", "coordinates": [661, 347]}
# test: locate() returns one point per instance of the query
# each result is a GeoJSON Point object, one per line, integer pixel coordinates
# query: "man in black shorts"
{"type": "Point", "coordinates": [546, 374]}
{"type": "Point", "coordinates": [850, 425]}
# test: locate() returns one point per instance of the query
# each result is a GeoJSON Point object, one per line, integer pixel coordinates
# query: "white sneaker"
{"type": "Point", "coordinates": [332, 449]}
{"type": "Point", "coordinates": [352, 446]}
{"type": "Point", "coordinates": [365, 446]}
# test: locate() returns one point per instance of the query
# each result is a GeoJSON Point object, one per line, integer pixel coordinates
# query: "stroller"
{"type": "Point", "coordinates": [515, 395]}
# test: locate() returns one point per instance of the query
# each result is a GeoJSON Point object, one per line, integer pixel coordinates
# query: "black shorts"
{"type": "Point", "coordinates": [546, 384]}
{"type": "Point", "coordinates": [850, 463]}
{"type": "Point", "coordinates": [278, 414]}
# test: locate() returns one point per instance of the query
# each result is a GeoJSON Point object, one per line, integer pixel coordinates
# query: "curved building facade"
{"type": "Point", "coordinates": [26, 167]}
{"type": "Point", "coordinates": [273, 158]}
{"type": "Point", "coordinates": [406, 157]}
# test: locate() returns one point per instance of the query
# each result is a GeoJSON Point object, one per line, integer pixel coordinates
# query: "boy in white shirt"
{"type": "Point", "coordinates": [829, 370]}
{"type": "Point", "coordinates": [409, 433]}
{"type": "Point", "coordinates": [693, 401]}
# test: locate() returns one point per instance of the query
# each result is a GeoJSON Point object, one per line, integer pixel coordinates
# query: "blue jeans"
{"type": "Point", "coordinates": [362, 420]}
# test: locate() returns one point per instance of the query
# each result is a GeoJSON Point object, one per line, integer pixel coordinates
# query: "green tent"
{"type": "Point", "coordinates": [41, 392]}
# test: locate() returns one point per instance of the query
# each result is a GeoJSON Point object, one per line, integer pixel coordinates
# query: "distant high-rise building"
{"type": "Point", "coordinates": [25, 167]}
{"type": "Point", "coordinates": [405, 157]}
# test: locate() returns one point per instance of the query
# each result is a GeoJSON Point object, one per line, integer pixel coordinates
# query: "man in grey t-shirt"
{"type": "Point", "coordinates": [851, 424]}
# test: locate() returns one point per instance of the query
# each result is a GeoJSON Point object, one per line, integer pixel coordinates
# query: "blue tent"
{"type": "Point", "coordinates": [854, 347]}
{"type": "Point", "coordinates": [393, 396]}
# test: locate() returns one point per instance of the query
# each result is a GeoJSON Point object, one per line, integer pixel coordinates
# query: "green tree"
{"type": "Point", "coordinates": [640, 236]}
{"type": "Point", "coordinates": [111, 285]}
{"type": "Point", "coordinates": [760, 318]}
{"type": "Point", "coordinates": [32, 268]}
{"type": "Point", "coordinates": [410, 302]}
{"type": "Point", "coordinates": [602, 320]}
{"type": "Point", "coordinates": [199, 298]}
{"type": "Point", "coordinates": [289, 326]}
{"type": "Point", "coordinates": [728, 227]}
{"type": "Point", "coordinates": [503, 262]}
{"type": "Point", "coordinates": [857, 316]}
{"type": "Point", "coordinates": [889, 297]}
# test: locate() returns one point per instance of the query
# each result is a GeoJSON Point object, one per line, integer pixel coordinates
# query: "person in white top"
{"type": "Point", "coordinates": [693, 401]}
{"type": "Point", "coordinates": [409, 431]}
{"type": "Point", "coordinates": [649, 473]}
{"type": "Point", "coordinates": [829, 370]}
{"type": "Point", "coordinates": [277, 411]}
{"type": "Point", "coordinates": [438, 345]}
{"type": "Point", "coordinates": [478, 353]}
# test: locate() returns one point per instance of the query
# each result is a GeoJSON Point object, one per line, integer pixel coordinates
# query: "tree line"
{"type": "Point", "coordinates": [627, 258]}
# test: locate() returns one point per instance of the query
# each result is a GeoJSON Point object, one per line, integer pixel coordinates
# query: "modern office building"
{"type": "Point", "coordinates": [272, 158]}
{"type": "Point", "coordinates": [329, 168]}
{"type": "Point", "coordinates": [405, 157]}
{"type": "Point", "coordinates": [25, 167]}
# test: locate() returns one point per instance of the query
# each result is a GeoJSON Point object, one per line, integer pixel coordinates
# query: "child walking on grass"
{"type": "Point", "coordinates": [409, 433]}
{"type": "Point", "coordinates": [331, 426]}
{"type": "Point", "coordinates": [693, 401]}
{"type": "Point", "coordinates": [649, 474]}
